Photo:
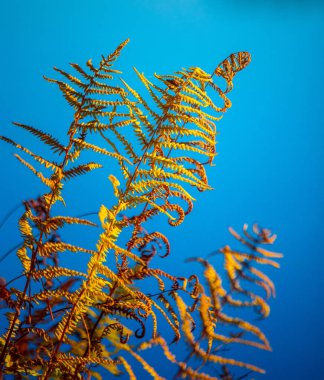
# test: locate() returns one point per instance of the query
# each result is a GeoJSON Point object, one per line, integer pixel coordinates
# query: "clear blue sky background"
{"type": "Point", "coordinates": [270, 164]}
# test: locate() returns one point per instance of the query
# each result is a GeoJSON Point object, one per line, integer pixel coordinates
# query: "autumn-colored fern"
{"type": "Point", "coordinates": [64, 322]}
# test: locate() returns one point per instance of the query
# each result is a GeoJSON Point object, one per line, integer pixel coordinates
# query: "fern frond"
{"type": "Point", "coordinates": [249, 257]}
{"type": "Point", "coordinates": [53, 272]}
{"type": "Point", "coordinates": [134, 201]}
{"type": "Point", "coordinates": [254, 246]}
{"type": "Point", "coordinates": [265, 280]}
{"type": "Point", "coordinates": [175, 324]}
{"type": "Point", "coordinates": [49, 140]}
{"type": "Point", "coordinates": [80, 170]}
{"type": "Point", "coordinates": [52, 295]}
{"type": "Point", "coordinates": [48, 248]}
{"type": "Point", "coordinates": [24, 258]}
{"type": "Point", "coordinates": [159, 173]}
{"type": "Point", "coordinates": [142, 186]}
{"type": "Point", "coordinates": [56, 222]}
{"type": "Point", "coordinates": [140, 100]}
{"type": "Point", "coordinates": [71, 78]}
{"type": "Point", "coordinates": [186, 371]}
{"type": "Point", "coordinates": [231, 65]}
{"type": "Point", "coordinates": [148, 86]}
{"type": "Point", "coordinates": [181, 131]}
{"type": "Point", "coordinates": [79, 69]}
{"type": "Point", "coordinates": [48, 164]}
{"type": "Point", "coordinates": [96, 149]}
{"type": "Point", "coordinates": [149, 369]}
{"type": "Point", "coordinates": [128, 368]}
{"type": "Point", "coordinates": [72, 96]}
{"type": "Point", "coordinates": [189, 146]}
{"type": "Point", "coordinates": [136, 242]}
{"type": "Point", "coordinates": [46, 181]}
{"type": "Point", "coordinates": [125, 143]}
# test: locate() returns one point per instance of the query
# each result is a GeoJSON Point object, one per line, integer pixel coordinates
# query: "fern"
{"type": "Point", "coordinates": [63, 322]}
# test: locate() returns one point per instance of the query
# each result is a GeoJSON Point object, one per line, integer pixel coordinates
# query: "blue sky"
{"type": "Point", "coordinates": [270, 163]}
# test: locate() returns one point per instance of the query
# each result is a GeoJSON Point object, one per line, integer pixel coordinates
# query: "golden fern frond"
{"type": "Point", "coordinates": [48, 164]}
{"type": "Point", "coordinates": [254, 245]}
{"type": "Point", "coordinates": [80, 170]}
{"type": "Point", "coordinates": [53, 272]}
{"type": "Point", "coordinates": [239, 268]}
{"type": "Point", "coordinates": [171, 312]}
{"type": "Point", "coordinates": [140, 100]}
{"type": "Point", "coordinates": [46, 181]}
{"type": "Point", "coordinates": [148, 368]}
{"type": "Point", "coordinates": [145, 185]}
{"type": "Point", "coordinates": [201, 353]}
{"type": "Point", "coordinates": [128, 368]}
{"type": "Point", "coordinates": [96, 149]}
{"type": "Point", "coordinates": [111, 58]}
{"type": "Point", "coordinates": [189, 146]}
{"type": "Point", "coordinates": [47, 248]}
{"type": "Point", "coordinates": [139, 134]}
{"type": "Point", "coordinates": [56, 222]}
{"type": "Point", "coordinates": [49, 140]}
{"type": "Point", "coordinates": [80, 70]}
{"type": "Point", "coordinates": [45, 295]}
{"type": "Point", "coordinates": [185, 370]}
{"type": "Point", "coordinates": [73, 97]}
{"type": "Point", "coordinates": [126, 144]}
{"type": "Point", "coordinates": [248, 257]}
{"type": "Point", "coordinates": [159, 173]}
{"type": "Point", "coordinates": [72, 79]}
{"type": "Point", "coordinates": [121, 251]}
{"type": "Point", "coordinates": [142, 118]}
{"type": "Point", "coordinates": [136, 242]}
{"type": "Point", "coordinates": [231, 65]}
{"type": "Point", "coordinates": [67, 362]}
{"type": "Point", "coordinates": [134, 201]}
{"type": "Point", "coordinates": [95, 125]}
{"type": "Point", "coordinates": [185, 131]}
{"type": "Point", "coordinates": [24, 258]}
{"type": "Point", "coordinates": [173, 164]}
{"type": "Point", "coordinates": [148, 86]}
{"type": "Point", "coordinates": [265, 282]}
{"type": "Point", "coordinates": [25, 228]}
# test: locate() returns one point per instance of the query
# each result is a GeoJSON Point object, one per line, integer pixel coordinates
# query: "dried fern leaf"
{"type": "Point", "coordinates": [46, 181]}
{"type": "Point", "coordinates": [48, 164]}
{"type": "Point", "coordinates": [80, 170]}
{"type": "Point", "coordinates": [49, 140]}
